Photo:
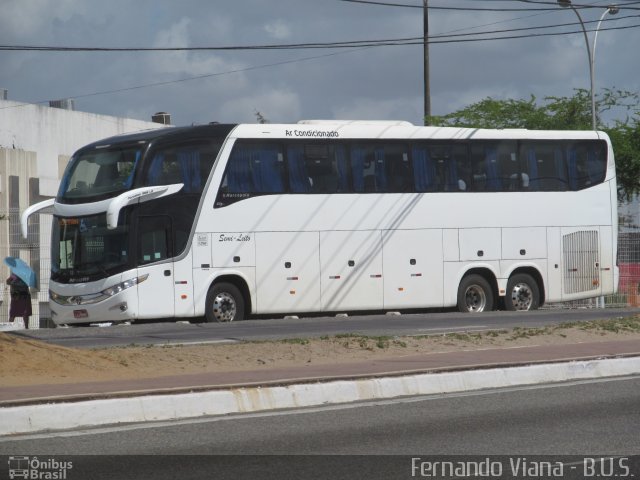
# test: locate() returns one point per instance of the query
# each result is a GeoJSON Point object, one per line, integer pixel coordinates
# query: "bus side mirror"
{"type": "Point", "coordinates": [138, 195]}
{"type": "Point", "coordinates": [24, 218]}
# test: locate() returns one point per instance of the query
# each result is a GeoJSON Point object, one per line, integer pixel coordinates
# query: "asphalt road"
{"type": "Point", "coordinates": [280, 328]}
{"type": "Point", "coordinates": [586, 418]}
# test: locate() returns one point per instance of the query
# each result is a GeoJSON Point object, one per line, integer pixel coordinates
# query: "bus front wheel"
{"type": "Point", "coordinates": [522, 293]}
{"type": "Point", "coordinates": [475, 294]}
{"type": "Point", "coordinates": [224, 303]}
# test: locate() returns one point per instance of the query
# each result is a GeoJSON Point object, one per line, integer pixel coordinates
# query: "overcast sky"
{"type": "Point", "coordinates": [286, 86]}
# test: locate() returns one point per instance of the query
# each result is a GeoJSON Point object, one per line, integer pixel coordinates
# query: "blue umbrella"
{"type": "Point", "coordinates": [20, 269]}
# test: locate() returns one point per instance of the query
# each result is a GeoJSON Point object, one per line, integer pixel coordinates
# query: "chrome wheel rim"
{"type": "Point", "coordinates": [475, 298]}
{"type": "Point", "coordinates": [224, 307]}
{"type": "Point", "coordinates": [521, 296]}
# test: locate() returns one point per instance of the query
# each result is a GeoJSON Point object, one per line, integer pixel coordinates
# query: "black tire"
{"type": "Point", "coordinates": [225, 303]}
{"type": "Point", "coordinates": [475, 295]}
{"type": "Point", "coordinates": [523, 293]}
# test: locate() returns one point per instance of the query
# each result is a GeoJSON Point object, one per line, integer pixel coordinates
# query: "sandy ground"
{"type": "Point", "coordinates": [27, 362]}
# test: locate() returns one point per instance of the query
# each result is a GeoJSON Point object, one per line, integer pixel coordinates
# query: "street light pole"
{"type": "Point", "coordinates": [612, 9]}
{"type": "Point", "coordinates": [567, 3]}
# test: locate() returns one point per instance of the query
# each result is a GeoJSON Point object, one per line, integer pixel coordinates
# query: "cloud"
{"type": "Point", "coordinates": [185, 64]}
{"type": "Point", "coordinates": [278, 29]}
{"type": "Point", "coordinates": [372, 109]}
{"type": "Point", "coordinates": [278, 106]}
{"type": "Point", "coordinates": [22, 19]}
{"type": "Point", "coordinates": [374, 83]}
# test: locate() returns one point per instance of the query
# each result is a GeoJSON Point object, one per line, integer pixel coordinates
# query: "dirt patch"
{"type": "Point", "coordinates": [30, 362]}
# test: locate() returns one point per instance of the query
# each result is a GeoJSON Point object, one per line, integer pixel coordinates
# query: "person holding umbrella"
{"type": "Point", "coordinates": [21, 278]}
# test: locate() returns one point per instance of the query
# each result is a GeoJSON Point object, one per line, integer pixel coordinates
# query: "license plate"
{"type": "Point", "coordinates": [80, 314]}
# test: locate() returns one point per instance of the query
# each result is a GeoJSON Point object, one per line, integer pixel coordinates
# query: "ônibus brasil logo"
{"type": "Point", "coordinates": [38, 469]}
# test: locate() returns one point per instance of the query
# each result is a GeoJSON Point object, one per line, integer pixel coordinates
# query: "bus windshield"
{"type": "Point", "coordinates": [100, 173]}
{"type": "Point", "coordinates": [86, 250]}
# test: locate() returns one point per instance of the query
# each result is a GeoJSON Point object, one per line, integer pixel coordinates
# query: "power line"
{"type": "Point", "coordinates": [418, 41]}
{"type": "Point", "coordinates": [482, 9]}
{"type": "Point", "coordinates": [553, 6]}
{"type": "Point", "coordinates": [442, 38]}
{"type": "Point", "coordinates": [576, 5]}
{"type": "Point", "coordinates": [197, 77]}
{"type": "Point", "coordinates": [359, 45]}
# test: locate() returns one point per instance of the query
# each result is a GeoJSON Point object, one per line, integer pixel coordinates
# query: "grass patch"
{"type": "Point", "coordinates": [296, 341]}
{"type": "Point", "coordinates": [612, 325]}
{"type": "Point", "coordinates": [464, 337]}
{"type": "Point", "coordinates": [368, 342]}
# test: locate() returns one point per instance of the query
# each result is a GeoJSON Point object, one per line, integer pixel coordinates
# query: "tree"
{"type": "Point", "coordinates": [565, 113]}
{"type": "Point", "coordinates": [625, 138]}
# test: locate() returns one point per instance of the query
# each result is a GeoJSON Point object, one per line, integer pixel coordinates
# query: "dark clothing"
{"type": "Point", "coordinates": [20, 298]}
{"type": "Point", "coordinates": [20, 306]}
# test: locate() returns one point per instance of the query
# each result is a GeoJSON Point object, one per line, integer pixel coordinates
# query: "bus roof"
{"type": "Point", "coordinates": [316, 129]}
{"type": "Point", "coordinates": [346, 129]}
{"type": "Point", "coordinates": [210, 130]}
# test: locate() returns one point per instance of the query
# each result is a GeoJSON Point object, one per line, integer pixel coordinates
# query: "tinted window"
{"type": "Point", "coordinates": [256, 169]}
{"type": "Point", "coordinates": [84, 247]}
{"type": "Point", "coordinates": [379, 168]}
{"type": "Point", "coordinates": [154, 235]}
{"type": "Point", "coordinates": [424, 166]}
{"type": "Point", "coordinates": [495, 167]}
{"type": "Point", "coordinates": [317, 168]}
{"type": "Point", "coordinates": [561, 166]}
{"type": "Point", "coordinates": [99, 172]}
{"type": "Point", "coordinates": [440, 167]}
{"type": "Point", "coordinates": [545, 166]}
{"type": "Point", "coordinates": [187, 164]}
{"type": "Point", "coordinates": [587, 164]}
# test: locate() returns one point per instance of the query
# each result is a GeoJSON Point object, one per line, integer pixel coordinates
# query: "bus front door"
{"type": "Point", "coordinates": [156, 294]}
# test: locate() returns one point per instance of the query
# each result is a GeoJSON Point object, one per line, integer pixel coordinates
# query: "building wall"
{"type": "Point", "coordinates": [51, 132]}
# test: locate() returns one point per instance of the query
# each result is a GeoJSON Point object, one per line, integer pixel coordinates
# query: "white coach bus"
{"type": "Point", "coordinates": [226, 221]}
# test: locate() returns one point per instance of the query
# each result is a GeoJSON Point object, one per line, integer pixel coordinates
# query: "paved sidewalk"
{"type": "Point", "coordinates": [267, 376]}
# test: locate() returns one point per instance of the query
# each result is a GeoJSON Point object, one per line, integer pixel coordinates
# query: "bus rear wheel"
{"type": "Point", "coordinates": [475, 294]}
{"type": "Point", "coordinates": [523, 293]}
{"type": "Point", "coordinates": [224, 303]}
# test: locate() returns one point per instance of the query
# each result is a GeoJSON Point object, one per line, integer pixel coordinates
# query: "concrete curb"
{"type": "Point", "coordinates": [61, 416]}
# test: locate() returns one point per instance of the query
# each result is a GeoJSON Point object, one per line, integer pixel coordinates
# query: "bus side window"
{"type": "Point", "coordinates": [586, 164]}
{"type": "Point", "coordinates": [379, 179]}
{"type": "Point", "coordinates": [323, 170]}
{"type": "Point", "coordinates": [384, 168]}
{"type": "Point", "coordinates": [398, 169]}
{"type": "Point", "coordinates": [255, 169]}
{"type": "Point", "coordinates": [317, 168]}
{"type": "Point", "coordinates": [154, 238]}
{"type": "Point", "coordinates": [544, 165]}
{"type": "Point", "coordinates": [189, 164]}
{"type": "Point", "coordinates": [486, 168]}
{"type": "Point", "coordinates": [359, 163]}
{"type": "Point", "coordinates": [342, 168]}
{"type": "Point", "coordinates": [299, 179]}
{"type": "Point", "coordinates": [459, 155]}
{"type": "Point", "coordinates": [508, 169]}
{"type": "Point", "coordinates": [424, 169]}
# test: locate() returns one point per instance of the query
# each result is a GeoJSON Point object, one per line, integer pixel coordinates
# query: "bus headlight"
{"type": "Point", "coordinates": [132, 282]}
{"type": "Point", "coordinates": [96, 297]}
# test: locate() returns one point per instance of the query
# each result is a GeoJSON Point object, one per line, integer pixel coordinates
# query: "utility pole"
{"type": "Point", "coordinates": [427, 83]}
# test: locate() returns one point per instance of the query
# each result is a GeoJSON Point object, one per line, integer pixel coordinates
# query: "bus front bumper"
{"type": "Point", "coordinates": [79, 308]}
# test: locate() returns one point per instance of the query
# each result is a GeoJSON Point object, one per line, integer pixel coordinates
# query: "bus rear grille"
{"type": "Point", "coordinates": [581, 261]}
